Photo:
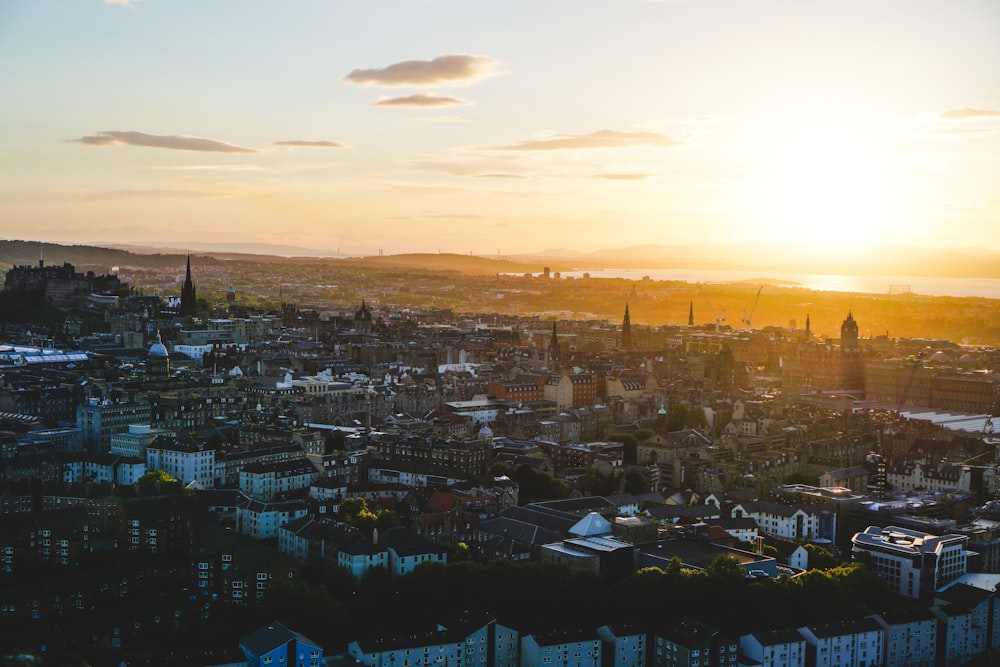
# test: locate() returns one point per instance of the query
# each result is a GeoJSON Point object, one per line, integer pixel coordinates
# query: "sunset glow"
{"type": "Point", "coordinates": [507, 127]}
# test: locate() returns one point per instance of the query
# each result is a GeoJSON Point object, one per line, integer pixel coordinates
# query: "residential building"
{"type": "Point", "coordinates": [275, 644]}
{"type": "Point", "coordinates": [561, 649]}
{"type": "Point", "coordinates": [852, 643]}
{"type": "Point", "coordinates": [775, 648]}
{"type": "Point", "coordinates": [910, 637]}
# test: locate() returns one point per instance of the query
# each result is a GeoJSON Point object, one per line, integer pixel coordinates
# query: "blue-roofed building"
{"type": "Point", "coordinates": [275, 644]}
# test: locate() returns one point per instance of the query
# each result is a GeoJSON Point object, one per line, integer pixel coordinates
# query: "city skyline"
{"type": "Point", "coordinates": [501, 127]}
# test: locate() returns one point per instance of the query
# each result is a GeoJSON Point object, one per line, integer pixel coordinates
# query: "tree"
{"type": "Point", "coordinates": [157, 476]}
{"type": "Point", "coordinates": [635, 483]}
{"type": "Point", "coordinates": [820, 558]}
{"type": "Point", "coordinates": [355, 512]}
{"type": "Point", "coordinates": [726, 567]}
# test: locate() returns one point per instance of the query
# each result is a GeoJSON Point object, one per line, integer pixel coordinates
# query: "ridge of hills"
{"type": "Point", "coordinates": [897, 260]}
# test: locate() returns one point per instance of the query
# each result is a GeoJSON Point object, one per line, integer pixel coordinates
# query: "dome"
{"type": "Point", "coordinates": [967, 361]}
{"type": "Point", "coordinates": [158, 349]}
{"type": "Point", "coordinates": [940, 357]}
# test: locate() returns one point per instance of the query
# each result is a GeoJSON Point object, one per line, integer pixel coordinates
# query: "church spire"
{"type": "Point", "coordinates": [554, 352]}
{"type": "Point", "coordinates": [691, 314]}
{"type": "Point", "coordinates": [189, 302]}
{"type": "Point", "coordinates": [626, 330]}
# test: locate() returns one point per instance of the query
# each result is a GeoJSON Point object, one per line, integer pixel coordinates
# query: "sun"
{"type": "Point", "coordinates": [829, 189]}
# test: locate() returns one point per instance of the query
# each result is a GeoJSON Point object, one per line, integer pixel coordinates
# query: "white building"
{"type": "Point", "coordinates": [262, 520]}
{"type": "Point", "coordinates": [915, 564]}
{"type": "Point", "coordinates": [465, 647]}
{"type": "Point", "coordinates": [185, 463]}
{"type": "Point", "coordinates": [963, 612]}
{"type": "Point", "coordinates": [133, 442]}
{"type": "Point", "coordinates": [775, 648]}
{"type": "Point", "coordinates": [792, 522]}
{"type": "Point", "coordinates": [561, 649]}
{"type": "Point", "coordinates": [852, 643]}
{"type": "Point", "coordinates": [910, 637]}
{"type": "Point", "coordinates": [265, 481]}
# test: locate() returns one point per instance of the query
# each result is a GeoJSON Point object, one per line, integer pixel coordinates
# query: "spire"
{"type": "Point", "coordinates": [554, 352]}
{"type": "Point", "coordinates": [691, 314]}
{"type": "Point", "coordinates": [626, 330]}
{"type": "Point", "coordinates": [189, 302]}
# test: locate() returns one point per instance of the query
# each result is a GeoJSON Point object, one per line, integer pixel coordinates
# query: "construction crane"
{"type": "Point", "coordinates": [719, 317]}
{"type": "Point", "coordinates": [753, 308]}
{"type": "Point", "coordinates": [878, 457]}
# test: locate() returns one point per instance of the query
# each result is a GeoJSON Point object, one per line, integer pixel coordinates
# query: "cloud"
{"type": "Point", "coordinates": [311, 144]}
{"type": "Point", "coordinates": [177, 142]}
{"type": "Point", "coordinates": [960, 132]}
{"type": "Point", "coordinates": [452, 69]}
{"type": "Point", "coordinates": [421, 100]}
{"type": "Point", "coordinates": [599, 139]}
{"type": "Point", "coordinates": [622, 177]}
{"type": "Point", "coordinates": [441, 119]}
{"type": "Point", "coordinates": [966, 113]}
{"type": "Point", "coordinates": [123, 3]}
{"type": "Point", "coordinates": [502, 175]}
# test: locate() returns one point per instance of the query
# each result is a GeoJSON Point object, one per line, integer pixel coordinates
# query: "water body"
{"type": "Point", "coordinates": [961, 287]}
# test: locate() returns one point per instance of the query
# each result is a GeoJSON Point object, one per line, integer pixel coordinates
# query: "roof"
{"type": "Point", "coordinates": [272, 636]}
{"type": "Point", "coordinates": [591, 525]}
{"type": "Point", "coordinates": [849, 627]}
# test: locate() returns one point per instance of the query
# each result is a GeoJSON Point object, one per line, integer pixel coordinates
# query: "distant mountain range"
{"type": "Point", "coordinates": [759, 257]}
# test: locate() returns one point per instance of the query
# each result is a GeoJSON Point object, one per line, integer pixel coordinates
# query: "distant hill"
{"type": "Point", "coordinates": [756, 257]}
{"type": "Point", "coordinates": [897, 260]}
{"type": "Point", "coordinates": [468, 264]}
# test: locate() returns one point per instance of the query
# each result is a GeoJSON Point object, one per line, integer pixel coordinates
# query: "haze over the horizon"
{"type": "Point", "coordinates": [501, 127]}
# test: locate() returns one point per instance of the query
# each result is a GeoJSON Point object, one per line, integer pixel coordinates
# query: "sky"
{"type": "Point", "coordinates": [499, 127]}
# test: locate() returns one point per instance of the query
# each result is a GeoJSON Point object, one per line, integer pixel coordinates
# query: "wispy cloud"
{"type": "Point", "coordinates": [622, 177]}
{"type": "Point", "coordinates": [441, 119]}
{"type": "Point", "coordinates": [177, 142]}
{"type": "Point", "coordinates": [451, 69]}
{"type": "Point", "coordinates": [123, 3]}
{"type": "Point", "coordinates": [310, 144]}
{"type": "Point", "coordinates": [502, 176]}
{"type": "Point", "coordinates": [421, 100]}
{"type": "Point", "coordinates": [956, 132]}
{"type": "Point", "coordinates": [967, 113]}
{"type": "Point", "coordinates": [963, 122]}
{"type": "Point", "coordinates": [599, 139]}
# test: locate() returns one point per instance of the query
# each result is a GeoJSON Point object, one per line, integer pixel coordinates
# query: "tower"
{"type": "Point", "coordinates": [691, 314]}
{"type": "Point", "coordinates": [554, 354]}
{"type": "Point", "coordinates": [626, 330]}
{"type": "Point", "coordinates": [157, 360]}
{"type": "Point", "coordinates": [849, 333]}
{"type": "Point", "coordinates": [189, 303]}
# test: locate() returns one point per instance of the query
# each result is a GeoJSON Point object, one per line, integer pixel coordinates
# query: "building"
{"type": "Point", "coordinates": [689, 643]}
{"type": "Point", "coordinates": [910, 637]}
{"type": "Point", "coordinates": [133, 443]}
{"type": "Point", "coordinates": [275, 644]}
{"type": "Point", "coordinates": [852, 643]}
{"type": "Point", "coordinates": [915, 564]}
{"type": "Point", "coordinates": [963, 614]}
{"type": "Point", "coordinates": [185, 463]}
{"type": "Point", "coordinates": [265, 481]}
{"type": "Point", "coordinates": [99, 421]}
{"type": "Point", "coordinates": [792, 522]}
{"type": "Point", "coordinates": [561, 649]}
{"type": "Point", "coordinates": [775, 648]}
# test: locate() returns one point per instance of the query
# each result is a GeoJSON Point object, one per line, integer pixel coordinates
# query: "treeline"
{"type": "Point", "coordinates": [326, 604]}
